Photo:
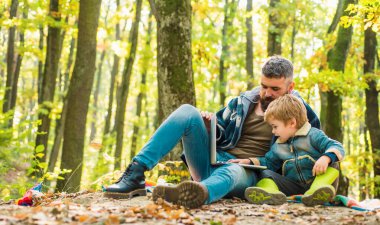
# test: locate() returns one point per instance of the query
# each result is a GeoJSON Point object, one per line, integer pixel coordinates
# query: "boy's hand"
{"type": "Point", "coordinates": [206, 116]}
{"type": "Point", "coordinates": [240, 161]}
{"type": "Point", "coordinates": [321, 165]}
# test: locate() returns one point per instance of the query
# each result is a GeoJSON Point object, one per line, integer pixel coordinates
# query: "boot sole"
{"type": "Point", "coordinates": [119, 195]}
{"type": "Point", "coordinates": [319, 197]}
{"type": "Point", "coordinates": [259, 196]}
{"type": "Point", "coordinates": [189, 194]}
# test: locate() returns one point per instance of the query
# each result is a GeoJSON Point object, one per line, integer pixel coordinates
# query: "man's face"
{"type": "Point", "coordinates": [272, 88]}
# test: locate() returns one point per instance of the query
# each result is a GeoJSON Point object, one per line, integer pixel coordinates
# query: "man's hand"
{"type": "Point", "coordinates": [321, 165]}
{"type": "Point", "coordinates": [240, 161]}
{"type": "Point", "coordinates": [206, 116]}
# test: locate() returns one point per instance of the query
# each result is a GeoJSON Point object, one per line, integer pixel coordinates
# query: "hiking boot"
{"type": "Point", "coordinates": [130, 184]}
{"type": "Point", "coordinates": [257, 195]}
{"type": "Point", "coordinates": [189, 194]}
{"type": "Point", "coordinates": [321, 191]}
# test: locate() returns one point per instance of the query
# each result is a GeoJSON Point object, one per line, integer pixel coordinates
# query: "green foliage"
{"type": "Point", "coordinates": [15, 160]}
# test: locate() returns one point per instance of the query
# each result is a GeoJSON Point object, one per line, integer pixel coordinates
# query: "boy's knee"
{"type": "Point", "coordinates": [267, 174]}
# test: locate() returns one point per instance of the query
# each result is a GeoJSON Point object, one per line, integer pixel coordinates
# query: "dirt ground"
{"type": "Point", "coordinates": [93, 208]}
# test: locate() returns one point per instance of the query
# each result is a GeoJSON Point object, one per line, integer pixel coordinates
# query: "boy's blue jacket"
{"type": "Point", "coordinates": [296, 157]}
{"type": "Point", "coordinates": [231, 118]}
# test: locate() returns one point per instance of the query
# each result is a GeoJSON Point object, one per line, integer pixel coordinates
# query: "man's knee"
{"type": "Point", "coordinates": [187, 111]}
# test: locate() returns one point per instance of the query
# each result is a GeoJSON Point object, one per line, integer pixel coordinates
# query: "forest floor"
{"type": "Point", "coordinates": [94, 208]}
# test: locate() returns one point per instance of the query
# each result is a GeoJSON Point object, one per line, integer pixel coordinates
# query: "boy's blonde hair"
{"type": "Point", "coordinates": [286, 108]}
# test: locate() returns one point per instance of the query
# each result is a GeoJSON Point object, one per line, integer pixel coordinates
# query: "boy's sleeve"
{"type": "Point", "coordinates": [270, 160]}
{"type": "Point", "coordinates": [327, 146]}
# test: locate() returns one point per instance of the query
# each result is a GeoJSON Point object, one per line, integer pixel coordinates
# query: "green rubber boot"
{"type": "Point", "coordinates": [321, 190]}
{"type": "Point", "coordinates": [265, 192]}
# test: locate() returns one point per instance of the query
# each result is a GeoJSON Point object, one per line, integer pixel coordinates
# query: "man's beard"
{"type": "Point", "coordinates": [264, 102]}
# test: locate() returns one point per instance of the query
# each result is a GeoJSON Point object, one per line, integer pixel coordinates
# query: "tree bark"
{"type": "Point", "coordinates": [10, 60]}
{"type": "Point", "coordinates": [124, 88]}
{"type": "Point", "coordinates": [371, 101]}
{"type": "Point", "coordinates": [49, 78]}
{"type": "Point", "coordinates": [174, 60]}
{"type": "Point", "coordinates": [276, 29]}
{"type": "Point", "coordinates": [249, 47]}
{"type": "Point", "coordinates": [78, 96]}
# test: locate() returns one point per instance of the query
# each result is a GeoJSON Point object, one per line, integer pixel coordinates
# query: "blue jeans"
{"type": "Point", "coordinates": [186, 122]}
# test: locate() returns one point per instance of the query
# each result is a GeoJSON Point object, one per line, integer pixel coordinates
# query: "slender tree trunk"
{"type": "Point", "coordinates": [276, 29]}
{"type": "Point", "coordinates": [40, 65]}
{"type": "Point", "coordinates": [336, 59]}
{"type": "Point", "coordinates": [114, 72]}
{"type": "Point", "coordinates": [120, 109]}
{"type": "Point", "coordinates": [18, 67]}
{"type": "Point", "coordinates": [294, 31]}
{"type": "Point", "coordinates": [101, 166]}
{"type": "Point", "coordinates": [174, 60]}
{"type": "Point", "coordinates": [249, 47]}
{"type": "Point", "coordinates": [60, 123]}
{"type": "Point", "coordinates": [142, 94]}
{"type": "Point", "coordinates": [323, 95]}
{"type": "Point", "coordinates": [49, 78]}
{"type": "Point", "coordinates": [10, 60]}
{"type": "Point", "coordinates": [229, 9]}
{"type": "Point", "coordinates": [372, 104]}
{"type": "Point", "coordinates": [78, 96]}
{"type": "Point", "coordinates": [96, 96]}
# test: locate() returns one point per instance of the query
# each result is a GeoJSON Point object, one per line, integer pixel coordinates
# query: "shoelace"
{"type": "Point", "coordinates": [126, 173]}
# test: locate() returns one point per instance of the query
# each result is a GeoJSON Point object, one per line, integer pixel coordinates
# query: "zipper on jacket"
{"type": "Point", "coordinates": [296, 161]}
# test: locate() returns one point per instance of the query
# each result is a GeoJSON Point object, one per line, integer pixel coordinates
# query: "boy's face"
{"type": "Point", "coordinates": [283, 130]}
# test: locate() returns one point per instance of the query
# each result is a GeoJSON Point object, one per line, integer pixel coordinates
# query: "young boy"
{"type": "Point", "coordinates": [301, 152]}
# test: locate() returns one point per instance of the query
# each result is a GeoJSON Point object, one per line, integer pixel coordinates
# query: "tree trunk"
{"type": "Point", "coordinates": [18, 67]}
{"type": "Point", "coordinates": [323, 95]}
{"type": "Point", "coordinates": [229, 14]}
{"type": "Point", "coordinates": [40, 65]}
{"type": "Point", "coordinates": [372, 104]}
{"type": "Point", "coordinates": [276, 29]}
{"type": "Point", "coordinates": [249, 47]}
{"type": "Point", "coordinates": [96, 96]}
{"type": "Point", "coordinates": [114, 72]}
{"type": "Point", "coordinates": [174, 60]}
{"type": "Point", "coordinates": [49, 79]}
{"type": "Point", "coordinates": [142, 94]}
{"type": "Point", "coordinates": [336, 59]}
{"type": "Point", "coordinates": [10, 60]}
{"type": "Point", "coordinates": [101, 166]}
{"type": "Point", "coordinates": [60, 123]}
{"type": "Point", "coordinates": [125, 82]}
{"type": "Point", "coordinates": [78, 96]}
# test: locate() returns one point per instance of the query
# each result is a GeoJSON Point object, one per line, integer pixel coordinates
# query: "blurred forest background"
{"type": "Point", "coordinates": [84, 84]}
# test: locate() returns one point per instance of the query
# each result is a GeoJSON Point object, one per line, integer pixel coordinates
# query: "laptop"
{"type": "Point", "coordinates": [213, 149]}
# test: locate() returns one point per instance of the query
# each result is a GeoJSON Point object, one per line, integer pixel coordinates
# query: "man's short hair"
{"type": "Point", "coordinates": [286, 108]}
{"type": "Point", "coordinates": [277, 67]}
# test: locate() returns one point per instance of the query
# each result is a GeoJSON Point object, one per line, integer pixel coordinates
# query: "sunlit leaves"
{"type": "Point", "coordinates": [367, 12]}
